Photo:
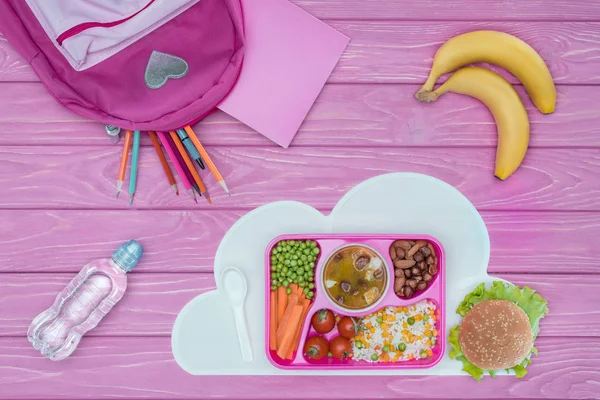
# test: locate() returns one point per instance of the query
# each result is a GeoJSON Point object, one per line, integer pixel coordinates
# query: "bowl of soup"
{"type": "Point", "coordinates": [355, 277]}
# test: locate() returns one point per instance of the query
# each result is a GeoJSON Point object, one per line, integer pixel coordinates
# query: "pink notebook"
{"type": "Point", "coordinates": [289, 56]}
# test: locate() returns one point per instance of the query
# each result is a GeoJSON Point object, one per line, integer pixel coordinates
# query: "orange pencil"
{"type": "Point", "coordinates": [190, 165]}
{"type": "Point", "coordinates": [163, 161]}
{"type": "Point", "coordinates": [123, 164]}
{"type": "Point", "coordinates": [206, 158]}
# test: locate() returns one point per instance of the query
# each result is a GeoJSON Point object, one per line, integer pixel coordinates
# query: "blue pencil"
{"type": "Point", "coordinates": [189, 146]}
{"type": "Point", "coordinates": [135, 155]}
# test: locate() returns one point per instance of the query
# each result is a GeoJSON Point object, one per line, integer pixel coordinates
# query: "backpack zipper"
{"type": "Point", "coordinates": [77, 29]}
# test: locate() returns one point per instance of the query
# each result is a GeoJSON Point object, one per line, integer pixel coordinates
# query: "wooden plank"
{"type": "Point", "coordinates": [153, 301]}
{"type": "Point", "coordinates": [552, 10]}
{"type": "Point", "coordinates": [149, 307]}
{"type": "Point", "coordinates": [401, 51]}
{"type": "Point", "coordinates": [144, 368]}
{"type": "Point", "coordinates": [354, 115]}
{"type": "Point", "coordinates": [84, 177]}
{"type": "Point", "coordinates": [183, 241]}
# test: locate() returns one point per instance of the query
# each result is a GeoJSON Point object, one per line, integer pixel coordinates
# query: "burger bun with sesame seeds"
{"type": "Point", "coordinates": [495, 334]}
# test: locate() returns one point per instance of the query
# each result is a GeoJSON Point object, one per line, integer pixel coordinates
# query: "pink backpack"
{"type": "Point", "coordinates": [136, 64]}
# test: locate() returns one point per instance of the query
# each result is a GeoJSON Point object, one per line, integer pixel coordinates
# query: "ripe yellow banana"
{"type": "Point", "coordinates": [506, 107]}
{"type": "Point", "coordinates": [501, 49]}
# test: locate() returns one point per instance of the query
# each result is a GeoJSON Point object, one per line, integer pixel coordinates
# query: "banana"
{"type": "Point", "coordinates": [506, 107]}
{"type": "Point", "coordinates": [501, 49]}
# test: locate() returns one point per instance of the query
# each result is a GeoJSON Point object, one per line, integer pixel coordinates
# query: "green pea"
{"type": "Point", "coordinates": [423, 354]}
{"type": "Point", "coordinates": [410, 321]}
{"type": "Point", "coordinates": [302, 284]}
{"type": "Point", "coordinates": [280, 258]}
{"type": "Point", "coordinates": [294, 275]}
{"type": "Point", "coordinates": [312, 264]}
{"type": "Point", "coordinates": [386, 349]}
{"type": "Point", "coordinates": [379, 320]}
{"type": "Point", "coordinates": [358, 344]}
{"type": "Point", "coordinates": [294, 263]}
{"type": "Point", "coordinates": [274, 275]}
{"type": "Point", "coordinates": [273, 259]}
{"type": "Point", "coordinates": [313, 243]}
{"type": "Point", "coordinates": [280, 266]}
{"type": "Point", "coordinates": [306, 290]}
{"type": "Point", "coordinates": [300, 279]}
{"type": "Point", "coordinates": [286, 283]}
{"type": "Point", "coordinates": [316, 251]}
{"type": "Point", "coordinates": [401, 347]}
{"type": "Point", "coordinates": [374, 357]}
{"type": "Point", "coordinates": [286, 262]}
{"type": "Point", "coordinates": [311, 285]}
{"type": "Point", "coordinates": [274, 288]}
{"type": "Point", "coordinates": [302, 245]}
{"type": "Point", "coordinates": [289, 291]}
{"type": "Point", "coordinates": [294, 257]}
{"type": "Point", "coordinates": [310, 295]}
{"type": "Point", "coordinates": [274, 267]}
{"type": "Point", "coordinates": [303, 257]}
{"type": "Point", "coordinates": [306, 251]}
{"type": "Point", "coordinates": [307, 268]}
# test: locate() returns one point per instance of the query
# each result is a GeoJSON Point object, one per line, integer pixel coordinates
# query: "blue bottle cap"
{"type": "Point", "coordinates": [128, 255]}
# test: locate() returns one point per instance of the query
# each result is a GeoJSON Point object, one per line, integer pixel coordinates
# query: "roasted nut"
{"type": "Point", "coordinates": [412, 242]}
{"type": "Point", "coordinates": [404, 263]}
{"type": "Point", "coordinates": [425, 251]}
{"type": "Point", "coordinates": [421, 243]}
{"type": "Point", "coordinates": [407, 273]}
{"type": "Point", "coordinates": [422, 265]}
{"type": "Point", "coordinates": [401, 279]}
{"type": "Point", "coordinates": [403, 244]}
{"type": "Point", "coordinates": [392, 252]}
{"type": "Point", "coordinates": [415, 271]}
{"type": "Point", "coordinates": [400, 253]}
{"type": "Point", "coordinates": [430, 247]}
{"type": "Point", "coordinates": [433, 269]}
{"type": "Point", "coordinates": [398, 285]}
{"type": "Point", "coordinates": [412, 251]}
{"type": "Point", "coordinates": [418, 278]}
{"type": "Point", "coordinates": [421, 285]}
{"type": "Point", "coordinates": [412, 283]}
{"type": "Point", "coordinates": [398, 273]}
{"type": "Point", "coordinates": [427, 277]}
{"type": "Point", "coordinates": [430, 260]}
{"type": "Point", "coordinates": [408, 292]}
{"type": "Point", "coordinates": [361, 262]}
{"type": "Point", "coordinates": [418, 257]}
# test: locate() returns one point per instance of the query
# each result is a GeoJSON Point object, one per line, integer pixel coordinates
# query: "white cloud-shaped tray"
{"type": "Point", "coordinates": [204, 339]}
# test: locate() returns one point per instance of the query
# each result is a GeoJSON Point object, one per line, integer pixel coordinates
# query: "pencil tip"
{"type": "Point", "coordinates": [130, 199]}
{"type": "Point", "coordinates": [177, 193]}
{"type": "Point", "coordinates": [118, 194]}
{"type": "Point", "coordinates": [196, 200]}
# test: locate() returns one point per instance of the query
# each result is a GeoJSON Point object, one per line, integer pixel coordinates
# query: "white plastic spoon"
{"type": "Point", "coordinates": [235, 288]}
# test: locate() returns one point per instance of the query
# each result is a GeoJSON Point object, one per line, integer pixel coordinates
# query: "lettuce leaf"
{"type": "Point", "coordinates": [531, 302]}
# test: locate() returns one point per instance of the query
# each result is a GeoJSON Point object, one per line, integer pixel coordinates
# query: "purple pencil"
{"type": "Point", "coordinates": [188, 174]}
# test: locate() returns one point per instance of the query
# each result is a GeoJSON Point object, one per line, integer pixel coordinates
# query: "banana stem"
{"type": "Point", "coordinates": [427, 97]}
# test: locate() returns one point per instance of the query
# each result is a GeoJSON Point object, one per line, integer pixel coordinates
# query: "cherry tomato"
{"type": "Point", "coordinates": [316, 348]}
{"type": "Point", "coordinates": [323, 321]}
{"type": "Point", "coordinates": [348, 327]}
{"type": "Point", "coordinates": [340, 347]}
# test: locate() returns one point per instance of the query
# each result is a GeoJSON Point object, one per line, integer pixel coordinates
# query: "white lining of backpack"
{"type": "Point", "coordinates": [96, 44]}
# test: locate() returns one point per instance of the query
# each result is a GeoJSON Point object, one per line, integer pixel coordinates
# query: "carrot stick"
{"type": "Point", "coordinates": [285, 319]}
{"type": "Point", "coordinates": [290, 331]}
{"type": "Point", "coordinates": [305, 308]}
{"type": "Point", "coordinates": [273, 322]}
{"type": "Point", "coordinates": [282, 301]}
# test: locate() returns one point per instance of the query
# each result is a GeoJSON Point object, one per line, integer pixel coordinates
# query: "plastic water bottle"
{"type": "Point", "coordinates": [83, 303]}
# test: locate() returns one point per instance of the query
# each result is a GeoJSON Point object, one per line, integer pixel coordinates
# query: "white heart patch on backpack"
{"type": "Point", "coordinates": [162, 67]}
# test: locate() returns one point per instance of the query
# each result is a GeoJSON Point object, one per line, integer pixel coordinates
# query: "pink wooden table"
{"type": "Point", "coordinates": [57, 206]}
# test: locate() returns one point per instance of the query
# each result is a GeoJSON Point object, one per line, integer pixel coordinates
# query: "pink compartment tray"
{"type": "Point", "coordinates": [328, 244]}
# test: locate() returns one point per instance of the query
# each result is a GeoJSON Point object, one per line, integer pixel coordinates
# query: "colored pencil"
{"type": "Point", "coordinates": [123, 164]}
{"type": "Point", "coordinates": [135, 155]}
{"type": "Point", "coordinates": [189, 146]}
{"type": "Point", "coordinates": [186, 183]}
{"type": "Point", "coordinates": [184, 167]}
{"type": "Point", "coordinates": [163, 161]}
{"type": "Point", "coordinates": [206, 158]}
{"type": "Point", "coordinates": [190, 165]}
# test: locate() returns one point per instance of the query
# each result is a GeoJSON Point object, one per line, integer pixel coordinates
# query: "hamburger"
{"type": "Point", "coordinates": [498, 329]}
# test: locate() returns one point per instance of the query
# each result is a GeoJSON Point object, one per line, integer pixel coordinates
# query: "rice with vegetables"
{"type": "Point", "coordinates": [397, 334]}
